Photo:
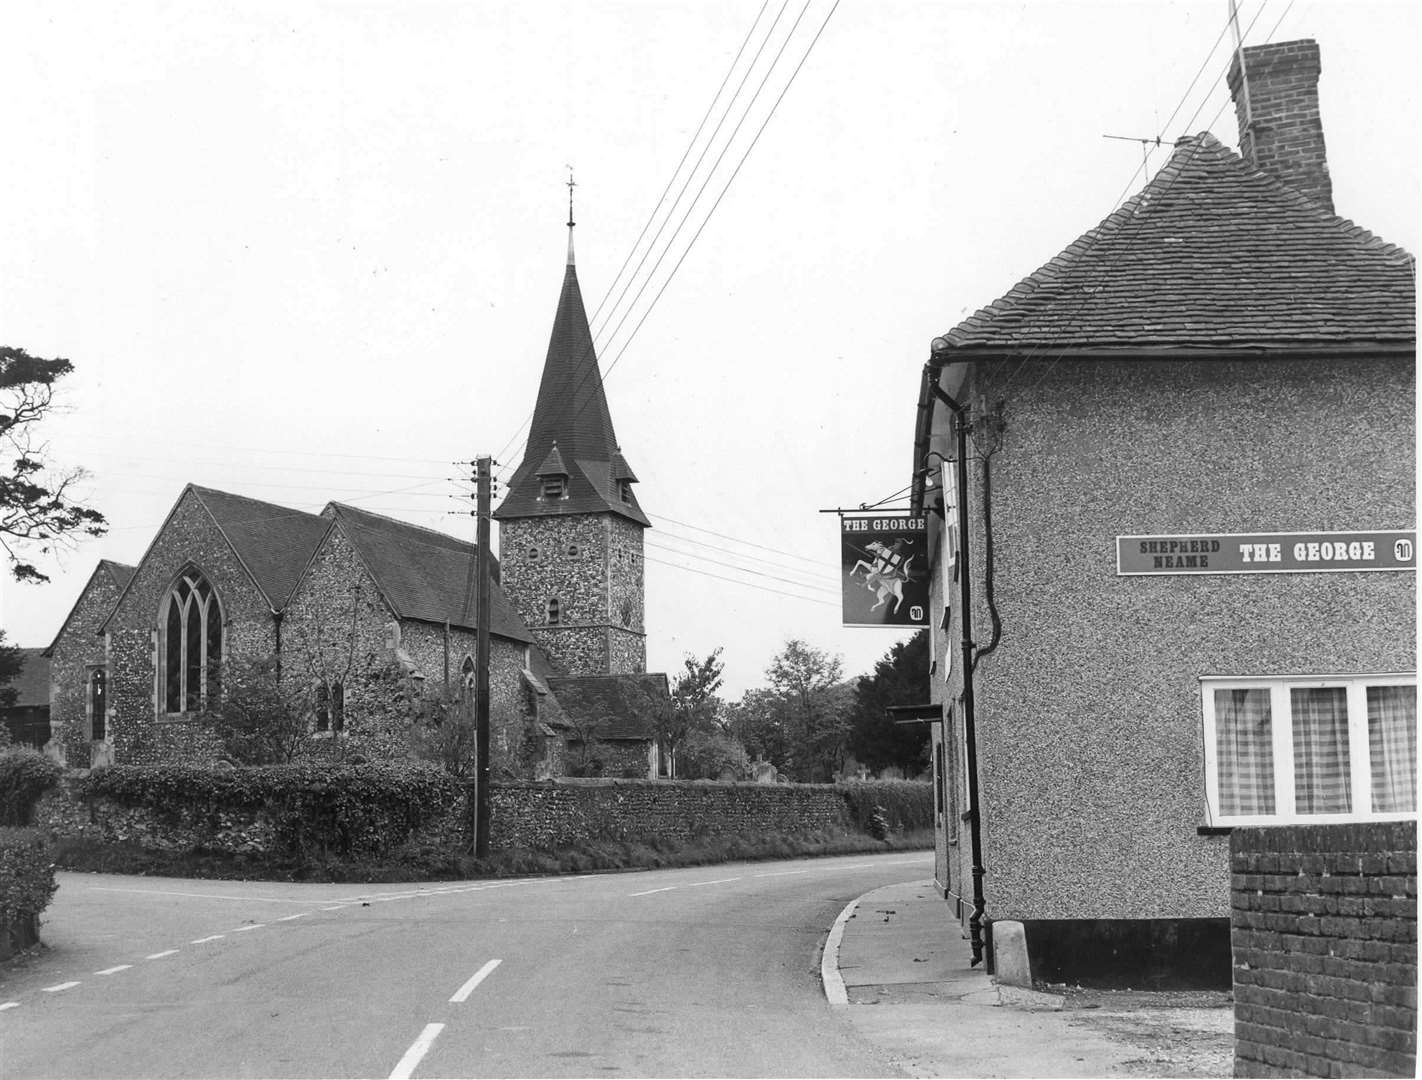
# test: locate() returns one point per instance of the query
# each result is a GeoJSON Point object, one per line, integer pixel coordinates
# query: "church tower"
{"type": "Point", "coordinates": [570, 529]}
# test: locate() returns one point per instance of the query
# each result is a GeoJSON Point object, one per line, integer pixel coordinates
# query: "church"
{"type": "Point", "coordinates": [367, 620]}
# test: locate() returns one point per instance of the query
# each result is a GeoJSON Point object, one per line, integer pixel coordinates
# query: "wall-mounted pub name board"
{"type": "Point", "coordinates": [1266, 553]}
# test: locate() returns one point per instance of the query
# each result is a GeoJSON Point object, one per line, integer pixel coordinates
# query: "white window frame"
{"type": "Point", "coordinates": [1281, 730]}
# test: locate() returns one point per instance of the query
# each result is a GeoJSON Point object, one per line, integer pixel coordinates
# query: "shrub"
{"type": "Point", "coordinates": [898, 805]}
{"type": "Point", "coordinates": [707, 755]}
{"type": "Point", "coordinates": [315, 810]}
{"type": "Point", "coordinates": [26, 874]}
{"type": "Point", "coordinates": [25, 775]}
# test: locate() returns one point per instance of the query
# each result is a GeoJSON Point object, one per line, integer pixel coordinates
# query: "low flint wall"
{"type": "Point", "coordinates": [566, 813]}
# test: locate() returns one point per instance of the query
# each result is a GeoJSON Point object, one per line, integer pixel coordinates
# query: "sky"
{"type": "Point", "coordinates": [309, 251]}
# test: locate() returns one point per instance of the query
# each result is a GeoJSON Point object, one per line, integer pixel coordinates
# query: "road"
{"type": "Point", "coordinates": [710, 971]}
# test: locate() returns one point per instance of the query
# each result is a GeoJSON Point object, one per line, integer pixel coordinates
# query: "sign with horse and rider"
{"type": "Point", "coordinates": [884, 570]}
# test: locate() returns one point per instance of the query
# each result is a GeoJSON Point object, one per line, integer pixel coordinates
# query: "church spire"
{"type": "Point", "coordinates": [571, 420]}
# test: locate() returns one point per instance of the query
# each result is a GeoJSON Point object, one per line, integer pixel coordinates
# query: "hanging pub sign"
{"type": "Point", "coordinates": [1266, 553]}
{"type": "Point", "coordinates": [884, 570]}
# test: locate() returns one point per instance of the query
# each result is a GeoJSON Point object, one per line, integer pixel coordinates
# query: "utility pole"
{"type": "Point", "coordinates": [483, 802]}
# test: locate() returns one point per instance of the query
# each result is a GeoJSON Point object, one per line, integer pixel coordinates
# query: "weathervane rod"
{"type": "Point", "coordinates": [571, 184]}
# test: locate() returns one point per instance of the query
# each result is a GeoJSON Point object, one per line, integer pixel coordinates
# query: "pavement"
{"type": "Point", "coordinates": [899, 967]}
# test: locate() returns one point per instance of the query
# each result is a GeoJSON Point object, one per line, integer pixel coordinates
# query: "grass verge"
{"type": "Point", "coordinates": [432, 865]}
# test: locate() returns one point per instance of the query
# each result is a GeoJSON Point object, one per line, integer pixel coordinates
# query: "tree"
{"type": "Point", "coordinates": [259, 720]}
{"type": "Point", "coordinates": [760, 721]}
{"type": "Point", "coordinates": [694, 704]}
{"type": "Point", "coordinates": [37, 506]}
{"type": "Point", "coordinates": [900, 678]}
{"type": "Point", "coordinates": [12, 662]}
{"type": "Point", "coordinates": [808, 679]}
{"type": "Point", "coordinates": [711, 755]}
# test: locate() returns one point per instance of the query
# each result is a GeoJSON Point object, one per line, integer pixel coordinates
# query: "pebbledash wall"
{"type": "Point", "coordinates": [592, 564]}
{"type": "Point", "coordinates": [536, 815]}
{"type": "Point", "coordinates": [1324, 930]}
{"type": "Point", "coordinates": [1089, 728]}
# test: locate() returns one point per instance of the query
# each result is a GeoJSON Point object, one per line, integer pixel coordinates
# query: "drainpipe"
{"type": "Point", "coordinates": [934, 371]}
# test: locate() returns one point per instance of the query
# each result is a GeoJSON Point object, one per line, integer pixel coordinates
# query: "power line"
{"type": "Point", "coordinates": [743, 570]}
{"type": "Point", "coordinates": [714, 166]}
{"type": "Point", "coordinates": [651, 217]}
{"type": "Point", "coordinates": [1100, 231]}
{"type": "Point", "coordinates": [685, 154]}
{"type": "Point", "coordinates": [744, 584]}
{"type": "Point", "coordinates": [663, 534]}
{"type": "Point", "coordinates": [602, 377]}
{"type": "Point", "coordinates": [210, 445]}
{"type": "Point", "coordinates": [734, 539]}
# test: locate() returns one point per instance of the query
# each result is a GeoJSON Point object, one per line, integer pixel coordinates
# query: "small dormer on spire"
{"type": "Point", "coordinates": [622, 476]}
{"type": "Point", "coordinates": [571, 184]}
{"type": "Point", "coordinates": [553, 476]}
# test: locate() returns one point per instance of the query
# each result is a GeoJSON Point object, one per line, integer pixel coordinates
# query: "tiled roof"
{"type": "Point", "coordinates": [424, 574]}
{"type": "Point", "coordinates": [275, 542]}
{"type": "Point", "coordinates": [613, 706]}
{"type": "Point", "coordinates": [120, 574]}
{"type": "Point", "coordinates": [572, 412]}
{"type": "Point", "coordinates": [1211, 254]}
{"type": "Point", "coordinates": [31, 685]}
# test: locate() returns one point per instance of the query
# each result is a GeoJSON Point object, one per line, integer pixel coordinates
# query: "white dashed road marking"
{"type": "Point", "coordinates": [113, 970]}
{"type": "Point", "coordinates": [649, 892]}
{"type": "Point", "coordinates": [418, 1049]}
{"type": "Point", "coordinates": [718, 881]}
{"type": "Point", "coordinates": [61, 986]}
{"type": "Point", "coordinates": [242, 929]}
{"type": "Point", "coordinates": [160, 955]}
{"type": "Point", "coordinates": [462, 994]}
{"type": "Point", "coordinates": [9, 1005]}
{"type": "Point", "coordinates": [288, 918]}
{"type": "Point", "coordinates": [205, 940]}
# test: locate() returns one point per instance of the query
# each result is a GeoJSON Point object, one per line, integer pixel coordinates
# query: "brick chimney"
{"type": "Point", "coordinates": [1282, 133]}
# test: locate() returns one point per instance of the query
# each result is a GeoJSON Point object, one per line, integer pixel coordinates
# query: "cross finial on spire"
{"type": "Point", "coordinates": [571, 184]}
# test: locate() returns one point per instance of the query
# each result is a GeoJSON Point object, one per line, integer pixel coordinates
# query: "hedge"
{"type": "Point", "coordinates": [25, 775]}
{"type": "Point", "coordinates": [26, 875]}
{"type": "Point", "coordinates": [877, 806]}
{"type": "Point", "coordinates": [315, 809]}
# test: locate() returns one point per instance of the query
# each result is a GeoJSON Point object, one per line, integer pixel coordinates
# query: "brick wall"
{"type": "Point", "coordinates": [1324, 934]}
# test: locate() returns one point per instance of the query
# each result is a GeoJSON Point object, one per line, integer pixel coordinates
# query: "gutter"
{"type": "Point", "coordinates": [933, 392]}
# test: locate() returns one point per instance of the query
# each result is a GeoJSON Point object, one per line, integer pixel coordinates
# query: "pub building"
{"type": "Point", "coordinates": [1156, 655]}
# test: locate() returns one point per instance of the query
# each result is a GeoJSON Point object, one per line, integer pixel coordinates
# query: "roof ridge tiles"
{"type": "Point", "coordinates": [444, 538]}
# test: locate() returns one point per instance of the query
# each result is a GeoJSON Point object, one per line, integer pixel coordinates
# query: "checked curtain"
{"type": "Point", "coordinates": [1392, 747]}
{"type": "Point", "coordinates": [1322, 784]}
{"type": "Point", "coordinates": [1245, 754]}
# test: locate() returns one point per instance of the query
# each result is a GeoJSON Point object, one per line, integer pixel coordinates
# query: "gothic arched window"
{"type": "Point", "coordinates": [554, 612]}
{"type": "Point", "coordinates": [330, 706]}
{"type": "Point", "coordinates": [98, 704]}
{"type": "Point", "coordinates": [466, 679]}
{"type": "Point", "coordinates": [191, 643]}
